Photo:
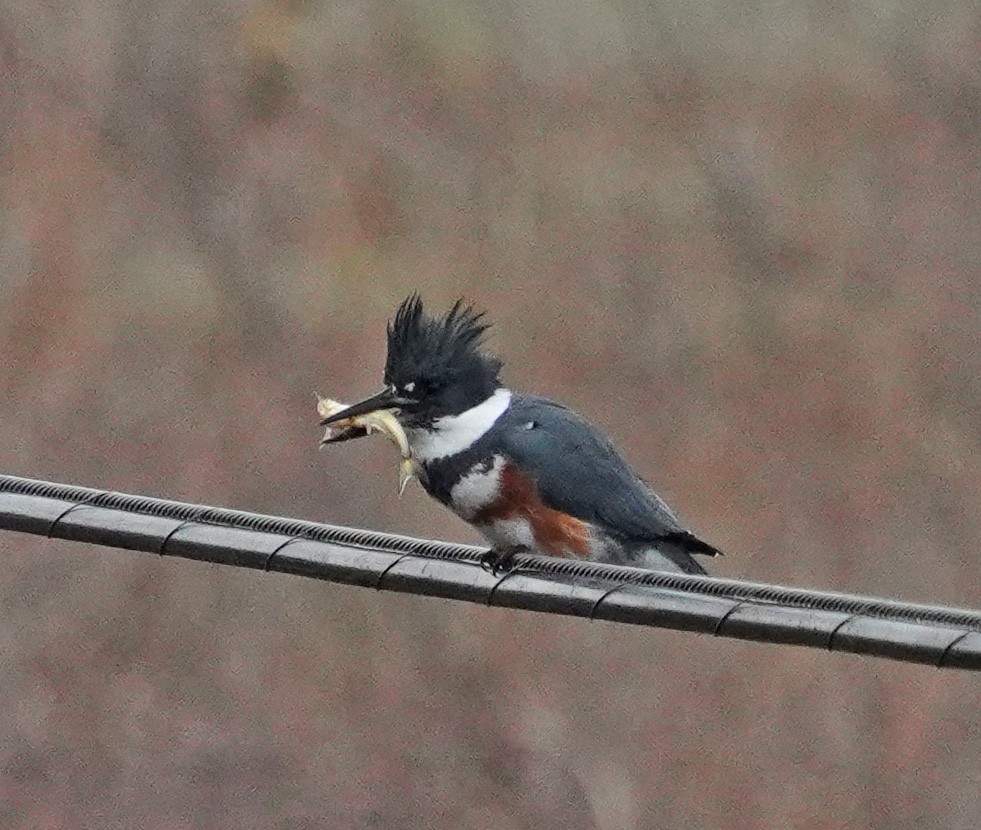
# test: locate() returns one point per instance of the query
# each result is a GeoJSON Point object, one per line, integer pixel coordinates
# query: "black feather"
{"type": "Point", "coordinates": [441, 357]}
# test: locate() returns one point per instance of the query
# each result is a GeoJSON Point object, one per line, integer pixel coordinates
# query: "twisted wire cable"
{"type": "Point", "coordinates": [935, 635]}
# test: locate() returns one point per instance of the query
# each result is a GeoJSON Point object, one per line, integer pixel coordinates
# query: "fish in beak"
{"type": "Point", "coordinates": [384, 400]}
{"type": "Point", "coordinates": [373, 414]}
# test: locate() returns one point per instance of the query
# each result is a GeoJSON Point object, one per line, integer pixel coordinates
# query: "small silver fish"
{"type": "Point", "coordinates": [383, 422]}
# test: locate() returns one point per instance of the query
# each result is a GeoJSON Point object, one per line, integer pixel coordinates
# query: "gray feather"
{"type": "Point", "coordinates": [580, 472]}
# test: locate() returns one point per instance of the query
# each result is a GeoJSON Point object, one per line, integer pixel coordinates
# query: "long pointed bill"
{"type": "Point", "coordinates": [342, 434]}
{"type": "Point", "coordinates": [386, 399]}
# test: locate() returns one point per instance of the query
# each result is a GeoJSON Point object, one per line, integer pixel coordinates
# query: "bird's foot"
{"type": "Point", "coordinates": [498, 561]}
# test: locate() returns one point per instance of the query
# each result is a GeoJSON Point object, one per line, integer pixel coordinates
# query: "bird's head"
{"type": "Point", "coordinates": [434, 366]}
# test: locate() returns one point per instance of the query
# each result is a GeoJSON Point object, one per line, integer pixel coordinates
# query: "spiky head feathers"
{"type": "Point", "coordinates": [437, 360]}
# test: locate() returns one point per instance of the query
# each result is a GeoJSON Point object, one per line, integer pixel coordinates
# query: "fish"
{"type": "Point", "coordinates": [360, 425]}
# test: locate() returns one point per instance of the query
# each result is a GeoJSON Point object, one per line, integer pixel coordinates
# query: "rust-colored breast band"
{"type": "Point", "coordinates": [555, 532]}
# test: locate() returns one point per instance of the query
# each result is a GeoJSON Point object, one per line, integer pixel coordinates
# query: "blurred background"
{"type": "Point", "coordinates": [742, 238]}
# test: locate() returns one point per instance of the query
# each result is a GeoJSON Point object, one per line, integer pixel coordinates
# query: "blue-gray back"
{"type": "Point", "coordinates": [580, 472]}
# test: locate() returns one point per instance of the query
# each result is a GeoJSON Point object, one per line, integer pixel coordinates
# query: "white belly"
{"type": "Point", "coordinates": [507, 533]}
{"type": "Point", "coordinates": [477, 490]}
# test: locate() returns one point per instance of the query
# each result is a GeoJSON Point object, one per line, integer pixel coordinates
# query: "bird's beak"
{"type": "Point", "coordinates": [336, 436]}
{"type": "Point", "coordinates": [386, 399]}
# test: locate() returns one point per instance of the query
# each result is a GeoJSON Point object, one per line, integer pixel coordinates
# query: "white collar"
{"type": "Point", "coordinates": [455, 433]}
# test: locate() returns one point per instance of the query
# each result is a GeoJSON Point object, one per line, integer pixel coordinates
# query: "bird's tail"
{"type": "Point", "coordinates": [671, 555]}
{"type": "Point", "coordinates": [689, 542]}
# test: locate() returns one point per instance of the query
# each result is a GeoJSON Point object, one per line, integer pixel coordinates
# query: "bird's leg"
{"type": "Point", "coordinates": [500, 560]}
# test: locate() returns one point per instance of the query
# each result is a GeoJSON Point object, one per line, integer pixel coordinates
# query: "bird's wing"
{"type": "Point", "coordinates": [578, 471]}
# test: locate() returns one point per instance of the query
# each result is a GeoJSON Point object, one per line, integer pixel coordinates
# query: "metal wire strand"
{"type": "Point", "coordinates": [940, 636]}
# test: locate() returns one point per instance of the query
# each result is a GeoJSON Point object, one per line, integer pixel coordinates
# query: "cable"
{"type": "Point", "coordinates": [945, 637]}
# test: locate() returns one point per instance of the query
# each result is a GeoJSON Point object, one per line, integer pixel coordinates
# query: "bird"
{"type": "Point", "coordinates": [527, 473]}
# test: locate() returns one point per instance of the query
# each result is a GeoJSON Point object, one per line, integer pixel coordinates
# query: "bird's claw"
{"type": "Point", "coordinates": [498, 562]}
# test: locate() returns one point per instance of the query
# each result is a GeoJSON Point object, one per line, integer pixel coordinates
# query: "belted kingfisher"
{"type": "Point", "coordinates": [527, 473]}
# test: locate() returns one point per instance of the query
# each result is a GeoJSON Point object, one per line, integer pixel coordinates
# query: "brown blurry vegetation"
{"type": "Point", "coordinates": [742, 237]}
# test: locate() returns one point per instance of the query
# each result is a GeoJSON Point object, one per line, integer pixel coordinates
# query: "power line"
{"type": "Point", "coordinates": [938, 636]}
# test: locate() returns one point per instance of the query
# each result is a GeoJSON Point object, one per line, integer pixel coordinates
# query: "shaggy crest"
{"type": "Point", "coordinates": [438, 351]}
